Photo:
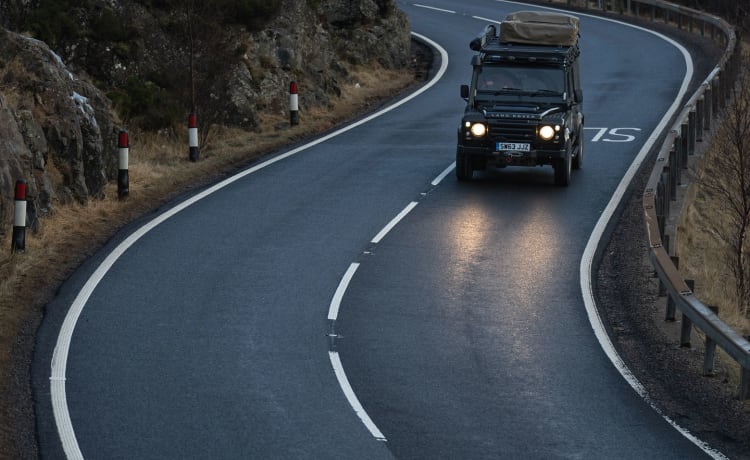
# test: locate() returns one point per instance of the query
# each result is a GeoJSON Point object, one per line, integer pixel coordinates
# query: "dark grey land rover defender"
{"type": "Point", "coordinates": [524, 106]}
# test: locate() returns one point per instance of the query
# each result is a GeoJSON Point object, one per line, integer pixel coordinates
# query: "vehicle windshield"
{"type": "Point", "coordinates": [539, 80]}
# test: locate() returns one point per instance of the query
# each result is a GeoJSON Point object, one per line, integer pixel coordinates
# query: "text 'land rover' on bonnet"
{"type": "Point", "coordinates": [524, 106]}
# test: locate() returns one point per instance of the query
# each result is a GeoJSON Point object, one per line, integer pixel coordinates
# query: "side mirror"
{"type": "Point", "coordinates": [465, 91]}
{"type": "Point", "coordinates": [578, 95]}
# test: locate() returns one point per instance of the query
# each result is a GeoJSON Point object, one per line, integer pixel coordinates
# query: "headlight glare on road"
{"type": "Point", "coordinates": [478, 129]}
{"type": "Point", "coordinates": [547, 132]}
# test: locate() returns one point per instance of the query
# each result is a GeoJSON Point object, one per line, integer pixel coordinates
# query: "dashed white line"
{"type": "Point", "coordinates": [333, 309]}
{"type": "Point", "coordinates": [393, 222]}
{"type": "Point", "coordinates": [485, 19]}
{"type": "Point", "coordinates": [338, 369]}
{"type": "Point", "coordinates": [434, 8]}
{"type": "Point", "coordinates": [442, 175]}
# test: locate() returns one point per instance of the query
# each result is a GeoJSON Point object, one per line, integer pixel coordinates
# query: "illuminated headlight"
{"type": "Point", "coordinates": [478, 129]}
{"type": "Point", "coordinates": [547, 132]}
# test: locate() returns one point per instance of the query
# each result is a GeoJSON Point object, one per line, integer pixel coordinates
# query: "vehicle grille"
{"type": "Point", "coordinates": [512, 130]}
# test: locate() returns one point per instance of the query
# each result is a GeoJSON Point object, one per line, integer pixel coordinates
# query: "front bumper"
{"type": "Point", "coordinates": [535, 157]}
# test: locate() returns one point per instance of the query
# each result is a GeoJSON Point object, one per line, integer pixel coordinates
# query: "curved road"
{"type": "Point", "coordinates": [203, 331]}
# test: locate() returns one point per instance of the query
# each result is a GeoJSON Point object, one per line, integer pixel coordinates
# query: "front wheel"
{"type": "Point", "coordinates": [563, 167]}
{"type": "Point", "coordinates": [578, 160]}
{"type": "Point", "coordinates": [464, 169]}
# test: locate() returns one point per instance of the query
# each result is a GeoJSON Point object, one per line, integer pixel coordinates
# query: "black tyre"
{"type": "Point", "coordinates": [464, 167]}
{"type": "Point", "coordinates": [578, 159]}
{"type": "Point", "coordinates": [563, 168]}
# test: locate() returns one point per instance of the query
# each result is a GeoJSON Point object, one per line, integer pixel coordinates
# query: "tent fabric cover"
{"type": "Point", "coordinates": [540, 28]}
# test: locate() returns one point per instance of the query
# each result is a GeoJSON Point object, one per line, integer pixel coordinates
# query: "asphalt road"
{"type": "Point", "coordinates": [463, 332]}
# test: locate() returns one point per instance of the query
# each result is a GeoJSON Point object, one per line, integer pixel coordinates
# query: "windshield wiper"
{"type": "Point", "coordinates": [546, 92]}
{"type": "Point", "coordinates": [497, 92]}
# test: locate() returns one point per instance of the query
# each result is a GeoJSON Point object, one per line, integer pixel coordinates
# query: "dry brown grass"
{"type": "Point", "coordinates": [703, 256]}
{"type": "Point", "coordinates": [159, 170]}
{"type": "Point", "coordinates": [702, 245]}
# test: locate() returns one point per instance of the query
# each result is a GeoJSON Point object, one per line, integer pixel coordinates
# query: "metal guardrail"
{"type": "Point", "coordinates": [696, 117]}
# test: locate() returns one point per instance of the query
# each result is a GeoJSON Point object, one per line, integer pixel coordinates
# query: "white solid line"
{"type": "Point", "coordinates": [338, 369]}
{"type": "Point", "coordinates": [393, 222]}
{"type": "Point", "coordinates": [434, 8]}
{"type": "Point", "coordinates": [62, 347]}
{"type": "Point", "coordinates": [333, 309]}
{"type": "Point", "coordinates": [442, 175]}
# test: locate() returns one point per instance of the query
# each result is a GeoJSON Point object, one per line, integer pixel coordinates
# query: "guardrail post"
{"type": "Point", "coordinates": [718, 93]}
{"type": "Point", "coordinates": [691, 136]}
{"type": "Point", "coordinates": [664, 196]}
{"type": "Point", "coordinates": [674, 170]}
{"type": "Point", "coordinates": [685, 329]}
{"type": "Point", "coordinates": [659, 201]}
{"type": "Point", "coordinates": [687, 324]}
{"type": "Point", "coordinates": [699, 113]}
{"type": "Point", "coordinates": [708, 106]}
{"type": "Point", "coordinates": [671, 305]}
{"type": "Point", "coordinates": [684, 149]}
{"type": "Point", "coordinates": [744, 392]}
{"type": "Point", "coordinates": [710, 359]}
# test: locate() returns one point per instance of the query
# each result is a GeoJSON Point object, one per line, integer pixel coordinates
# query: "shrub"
{"type": "Point", "coordinates": [145, 104]}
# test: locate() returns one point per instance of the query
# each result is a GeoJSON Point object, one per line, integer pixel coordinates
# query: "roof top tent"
{"type": "Point", "coordinates": [530, 28]}
{"type": "Point", "coordinates": [539, 28]}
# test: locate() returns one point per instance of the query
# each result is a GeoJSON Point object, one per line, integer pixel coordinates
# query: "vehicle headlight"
{"type": "Point", "coordinates": [547, 132]}
{"type": "Point", "coordinates": [478, 129]}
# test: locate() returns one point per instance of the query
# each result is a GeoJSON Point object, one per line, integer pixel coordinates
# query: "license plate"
{"type": "Point", "coordinates": [513, 147]}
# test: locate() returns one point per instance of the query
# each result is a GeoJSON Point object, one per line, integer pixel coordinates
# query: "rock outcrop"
{"type": "Point", "coordinates": [59, 132]}
{"type": "Point", "coordinates": [53, 129]}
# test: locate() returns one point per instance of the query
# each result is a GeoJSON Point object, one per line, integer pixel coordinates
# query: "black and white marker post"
{"type": "Point", "coordinates": [123, 183]}
{"type": "Point", "coordinates": [19, 218]}
{"type": "Point", "coordinates": [193, 137]}
{"type": "Point", "coordinates": [293, 104]}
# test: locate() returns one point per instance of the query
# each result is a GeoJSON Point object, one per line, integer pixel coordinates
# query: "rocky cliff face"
{"type": "Point", "coordinates": [59, 132]}
{"type": "Point", "coordinates": [53, 129]}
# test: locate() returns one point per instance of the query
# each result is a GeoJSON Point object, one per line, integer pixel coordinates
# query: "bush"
{"type": "Point", "coordinates": [54, 21]}
{"type": "Point", "coordinates": [253, 14]}
{"type": "Point", "coordinates": [109, 27]}
{"type": "Point", "coordinates": [145, 104]}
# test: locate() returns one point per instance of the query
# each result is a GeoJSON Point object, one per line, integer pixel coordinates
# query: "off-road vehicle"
{"type": "Point", "coordinates": [524, 106]}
